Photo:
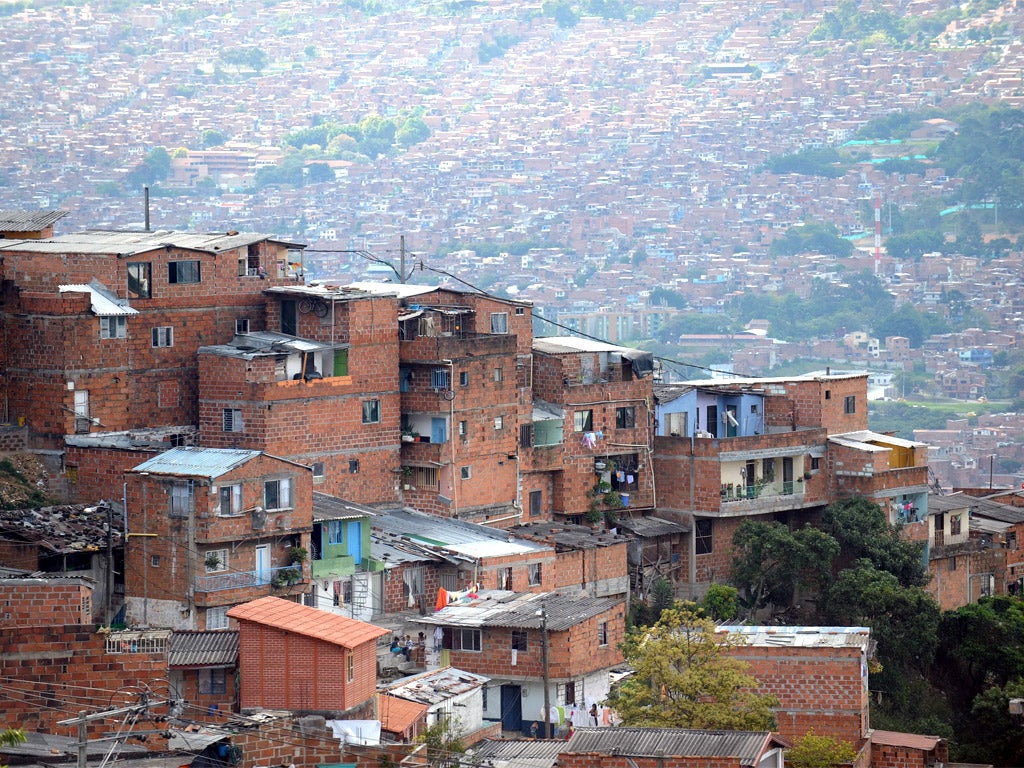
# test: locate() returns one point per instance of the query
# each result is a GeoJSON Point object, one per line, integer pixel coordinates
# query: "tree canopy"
{"type": "Point", "coordinates": [683, 678]}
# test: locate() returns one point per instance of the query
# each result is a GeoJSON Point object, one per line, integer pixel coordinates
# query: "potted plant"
{"type": "Point", "coordinates": [212, 561]}
{"type": "Point", "coordinates": [297, 555]}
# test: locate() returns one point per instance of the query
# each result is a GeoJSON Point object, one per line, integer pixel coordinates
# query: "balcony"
{"type": "Point", "coordinates": [218, 582]}
{"type": "Point", "coordinates": [762, 491]}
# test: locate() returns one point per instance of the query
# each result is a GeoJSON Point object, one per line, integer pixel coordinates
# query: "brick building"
{"type": "Point", "coordinates": [502, 635]}
{"type": "Point", "coordinates": [109, 323]}
{"type": "Point", "coordinates": [212, 527]}
{"type": "Point", "coordinates": [771, 449]}
{"type": "Point", "coordinates": [818, 674]}
{"type": "Point", "coordinates": [305, 660]}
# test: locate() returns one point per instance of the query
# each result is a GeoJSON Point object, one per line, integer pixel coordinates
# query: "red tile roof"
{"type": "Point", "coordinates": [908, 740]}
{"type": "Point", "coordinates": [303, 620]}
{"type": "Point", "coordinates": [398, 715]}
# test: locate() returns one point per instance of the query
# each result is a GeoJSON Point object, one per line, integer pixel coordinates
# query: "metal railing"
{"type": "Point", "coordinates": [761, 490]}
{"type": "Point", "coordinates": [217, 582]}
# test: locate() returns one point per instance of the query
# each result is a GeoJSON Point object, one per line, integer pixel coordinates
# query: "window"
{"type": "Point", "coordinates": [602, 633]}
{"type": "Point", "coordinates": [113, 327]}
{"type": "Point", "coordinates": [439, 378]}
{"type": "Point", "coordinates": [583, 421]}
{"type": "Point", "coordinates": [163, 336]}
{"type": "Point", "coordinates": [498, 375]}
{"type": "Point", "coordinates": [353, 466]}
{"type": "Point", "coordinates": [232, 420]}
{"type": "Point", "coordinates": [952, 563]}
{"type": "Point", "coordinates": [499, 422]}
{"type": "Point", "coordinates": [154, 561]}
{"type": "Point", "coordinates": [183, 498]}
{"type": "Point", "coordinates": [465, 472]}
{"type": "Point", "coordinates": [213, 681]}
{"type": "Point", "coordinates": [216, 560]}
{"type": "Point", "coordinates": [954, 525]}
{"type": "Point", "coordinates": [828, 394]}
{"type": "Point", "coordinates": [625, 418]}
{"type": "Point", "coordinates": [536, 503]}
{"type": "Point", "coordinates": [350, 666]}
{"type": "Point", "coordinates": [318, 471]}
{"type": "Point", "coordinates": [499, 322]}
{"type": "Point", "coordinates": [241, 326]}
{"type": "Point", "coordinates": [277, 494]}
{"type": "Point", "coordinates": [483, 698]}
{"type": "Point", "coordinates": [520, 640]}
{"type": "Point", "coordinates": [463, 378]}
{"type": "Point", "coordinates": [425, 477]}
{"type": "Point", "coordinates": [458, 639]}
{"type": "Point", "coordinates": [533, 574]}
{"type": "Point", "coordinates": [463, 429]}
{"type": "Point", "coordinates": [217, 618]}
{"type": "Point", "coordinates": [703, 540]}
{"type": "Point", "coordinates": [183, 271]}
{"type": "Point", "coordinates": [230, 500]}
{"type": "Point", "coordinates": [371, 412]}
{"type": "Point", "coordinates": [520, 311]}
{"type": "Point", "coordinates": [567, 692]}
{"type": "Point", "coordinates": [526, 435]}
{"type": "Point", "coordinates": [505, 578]}
{"type": "Point", "coordinates": [139, 273]}
{"type": "Point", "coordinates": [815, 463]}
{"type": "Point", "coordinates": [335, 532]}
{"type": "Point", "coordinates": [675, 424]}
{"type": "Point", "coordinates": [850, 404]}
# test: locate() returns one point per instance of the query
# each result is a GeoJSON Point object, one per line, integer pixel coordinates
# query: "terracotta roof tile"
{"type": "Point", "coordinates": [311, 622]}
{"type": "Point", "coordinates": [397, 715]}
{"type": "Point", "coordinates": [907, 740]}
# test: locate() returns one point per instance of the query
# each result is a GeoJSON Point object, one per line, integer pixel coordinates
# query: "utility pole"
{"type": "Point", "coordinates": [401, 259]}
{"type": "Point", "coordinates": [547, 677]}
{"type": "Point", "coordinates": [110, 562]}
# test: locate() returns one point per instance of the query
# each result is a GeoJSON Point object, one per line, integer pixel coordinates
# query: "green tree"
{"type": "Point", "coordinates": [444, 742]}
{"type": "Point", "coordinates": [770, 561]}
{"type": "Point", "coordinates": [863, 532]}
{"type": "Point", "coordinates": [814, 751]}
{"type": "Point", "coordinates": [212, 138]}
{"type": "Point", "coordinates": [684, 678]}
{"type": "Point", "coordinates": [721, 602]}
{"type": "Point", "coordinates": [10, 737]}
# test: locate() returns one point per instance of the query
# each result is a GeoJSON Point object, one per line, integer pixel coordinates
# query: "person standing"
{"type": "Point", "coordinates": [438, 637]}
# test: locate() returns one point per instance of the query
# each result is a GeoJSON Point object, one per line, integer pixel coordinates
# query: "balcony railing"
{"type": "Point", "coordinates": [761, 490]}
{"type": "Point", "coordinates": [218, 582]}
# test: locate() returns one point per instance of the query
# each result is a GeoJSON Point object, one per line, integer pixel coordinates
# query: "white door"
{"type": "Point", "coordinates": [262, 574]}
{"type": "Point", "coordinates": [82, 422]}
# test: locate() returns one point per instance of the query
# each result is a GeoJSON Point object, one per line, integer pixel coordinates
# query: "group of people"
{"type": "Point", "coordinates": [404, 646]}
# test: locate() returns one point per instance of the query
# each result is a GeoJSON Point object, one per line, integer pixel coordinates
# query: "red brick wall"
{"type": "Point", "coordinates": [99, 472]}
{"type": "Point", "coordinates": [819, 688]}
{"type": "Point", "coordinates": [283, 670]}
{"type": "Point", "coordinates": [583, 567]}
{"type": "Point", "coordinates": [44, 602]}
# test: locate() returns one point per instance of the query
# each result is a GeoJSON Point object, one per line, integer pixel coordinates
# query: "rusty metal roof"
{"type": "Point", "coordinates": [567, 536]}
{"type": "Point", "coordinates": [63, 529]}
{"type": "Point", "coordinates": [747, 746]}
{"type": "Point", "coordinates": [203, 649]}
{"type": "Point", "coordinates": [498, 608]}
{"type": "Point", "coordinates": [303, 620]}
{"type": "Point", "coordinates": [436, 686]}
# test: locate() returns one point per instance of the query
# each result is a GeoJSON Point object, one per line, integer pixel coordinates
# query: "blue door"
{"type": "Point", "coordinates": [438, 430]}
{"type": "Point", "coordinates": [354, 538]}
{"type": "Point", "coordinates": [511, 708]}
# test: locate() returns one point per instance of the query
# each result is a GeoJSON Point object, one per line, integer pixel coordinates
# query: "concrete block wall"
{"type": "Point", "coordinates": [585, 567]}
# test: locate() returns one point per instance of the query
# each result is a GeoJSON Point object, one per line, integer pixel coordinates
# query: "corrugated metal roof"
{"type": "Point", "coordinates": [834, 637]}
{"type": "Point", "coordinates": [312, 622]}
{"type": "Point", "coordinates": [499, 608]}
{"type": "Point", "coordinates": [135, 243]}
{"type": "Point", "coordinates": [203, 649]}
{"type": "Point", "coordinates": [327, 507]}
{"type": "Point", "coordinates": [435, 687]}
{"type": "Point", "coordinates": [525, 753]}
{"type": "Point", "coordinates": [646, 527]}
{"type": "Point", "coordinates": [866, 439]}
{"type": "Point", "coordinates": [29, 221]}
{"type": "Point", "coordinates": [101, 303]}
{"type": "Point", "coordinates": [561, 345]}
{"type": "Point", "coordinates": [747, 746]}
{"type": "Point", "coordinates": [454, 536]}
{"type": "Point", "coordinates": [197, 462]}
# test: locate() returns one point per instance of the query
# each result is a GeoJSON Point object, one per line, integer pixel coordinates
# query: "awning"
{"type": "Point", "coordinates": [643, 362]}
